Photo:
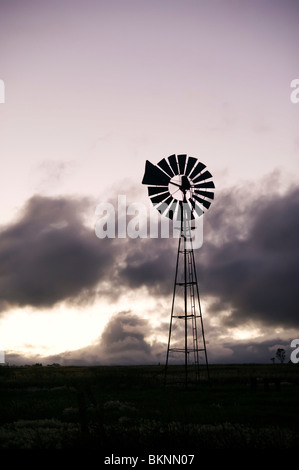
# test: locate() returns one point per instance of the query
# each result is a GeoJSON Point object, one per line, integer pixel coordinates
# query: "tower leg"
{"type": "Point", "coordinates": [186, 312]}
{"type": "Point", "coordinates": [172, 308]}
{"type": "Point", "coordinates": [201, 319]}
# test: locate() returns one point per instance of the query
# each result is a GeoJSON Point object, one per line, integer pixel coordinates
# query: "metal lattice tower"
{"type": "Point", "coordinates": [178, 188]}
{"type": "Point", "coordinates": [186, 314]}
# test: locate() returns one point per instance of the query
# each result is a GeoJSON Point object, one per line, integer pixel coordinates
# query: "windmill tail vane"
{"type": "Point", "coordinates": [180, 188]}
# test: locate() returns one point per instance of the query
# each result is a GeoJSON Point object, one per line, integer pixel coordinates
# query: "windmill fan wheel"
{"type": "Point", "coordinates": [177, 181]}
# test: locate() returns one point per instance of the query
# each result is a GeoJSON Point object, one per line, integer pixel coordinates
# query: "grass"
{"type": "Point", "coordinates": [114, 409]}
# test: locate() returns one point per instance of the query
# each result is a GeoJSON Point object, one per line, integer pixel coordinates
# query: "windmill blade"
{"type": "Point", "coordinates": [207, 184]}
{"type": "Point", "coordinates": [154, 176]}
{"type": "Point", "coordinates": [205, 203]}
{"type": "Point", "coordinates": [204, 193]}
{"type": "Point", "coordinates": [205, 175]}
{"type": "Point", "coordinates": [167, 204]}
{"type": "Point", "coordinates": [160, 189]}
{"type": "Point", "coordinates": [172, 208]}
{"type": "Point", "coordinates": [160, 197]}
{"type": "Point", "coordinates": [168, 201]}
{"type": "Point", "coordinates": [190, 164]}
{"type": "Point", "coordinates": [182, 162]}
{"type": "Point", "coordinates": [188, 212]}
{"type": "Point", "coordinates": [173, 164]}
{"type": "Point", "coordinates": [161, 208]}
{"type": "Point", "coordinates": [164, 165]}
{"type": "Point", "coordinates": [196, 208]}
{"type": "Point", "coordinates": [199, 167]}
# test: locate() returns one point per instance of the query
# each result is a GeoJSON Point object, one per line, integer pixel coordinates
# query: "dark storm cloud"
{"type": "Point", "coordinates": [256, 277]}
{"type": "Point", "coordinates": [149, 263]}
{"type": "Point", "coordinates": [255, 352]}
{"type": "Point", "coordinates": [142, 262]}
{"type": "Point", "coordinates": [125, 332]}
{"type": "Point", "coordinates": [49, 255]}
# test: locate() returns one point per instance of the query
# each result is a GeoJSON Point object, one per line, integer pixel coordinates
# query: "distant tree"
{"type": "Point", "coordinates": [273, 360]}
{"type": "Point", "coordinates": [281, 354]}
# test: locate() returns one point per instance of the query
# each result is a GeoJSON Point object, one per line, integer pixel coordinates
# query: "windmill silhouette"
{"type": "Point", "coordinates": [181, 188]}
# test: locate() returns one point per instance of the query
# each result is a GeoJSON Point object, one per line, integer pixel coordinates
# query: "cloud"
{"type": "Point", "coordinates": [124, 340]}
{"type": "Point", "coordinates": [49, 255]}
{"type": "Point", "coordinates": [50, 174]}
{"type": "Point", "coordinates": [149, 263]}
{"type": "Point", "coordinates": [249, 262]}
{"type": "Point", "coordinates": [255, 276]}
{"type": "Point", "coordinates": [253, 351]}
{"type": "Point", "coordinates": [248, 265]}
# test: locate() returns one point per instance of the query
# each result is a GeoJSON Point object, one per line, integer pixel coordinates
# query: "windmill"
{"type": "Point", "coordinates": [181, 188]}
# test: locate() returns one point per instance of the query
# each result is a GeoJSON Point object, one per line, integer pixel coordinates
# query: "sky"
{"type": "Point", "coordinates": [93, 89]}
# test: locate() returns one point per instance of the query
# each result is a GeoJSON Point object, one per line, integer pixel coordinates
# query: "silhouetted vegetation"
{"type": "Point", "coordinates": [281, 355]}
{"type": "Point", "coordinates": [115, 408]}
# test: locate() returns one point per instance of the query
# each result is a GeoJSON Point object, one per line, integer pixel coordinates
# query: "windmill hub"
{"type": "Point", "coordinates": [179, 186]}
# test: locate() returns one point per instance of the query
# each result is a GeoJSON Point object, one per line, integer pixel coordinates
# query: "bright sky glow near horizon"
{"type": "Point", "coordinates": [93, 89]}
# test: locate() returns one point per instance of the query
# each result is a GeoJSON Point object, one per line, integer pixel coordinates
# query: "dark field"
{"type": "Point", "coordinates": [122, 410]}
